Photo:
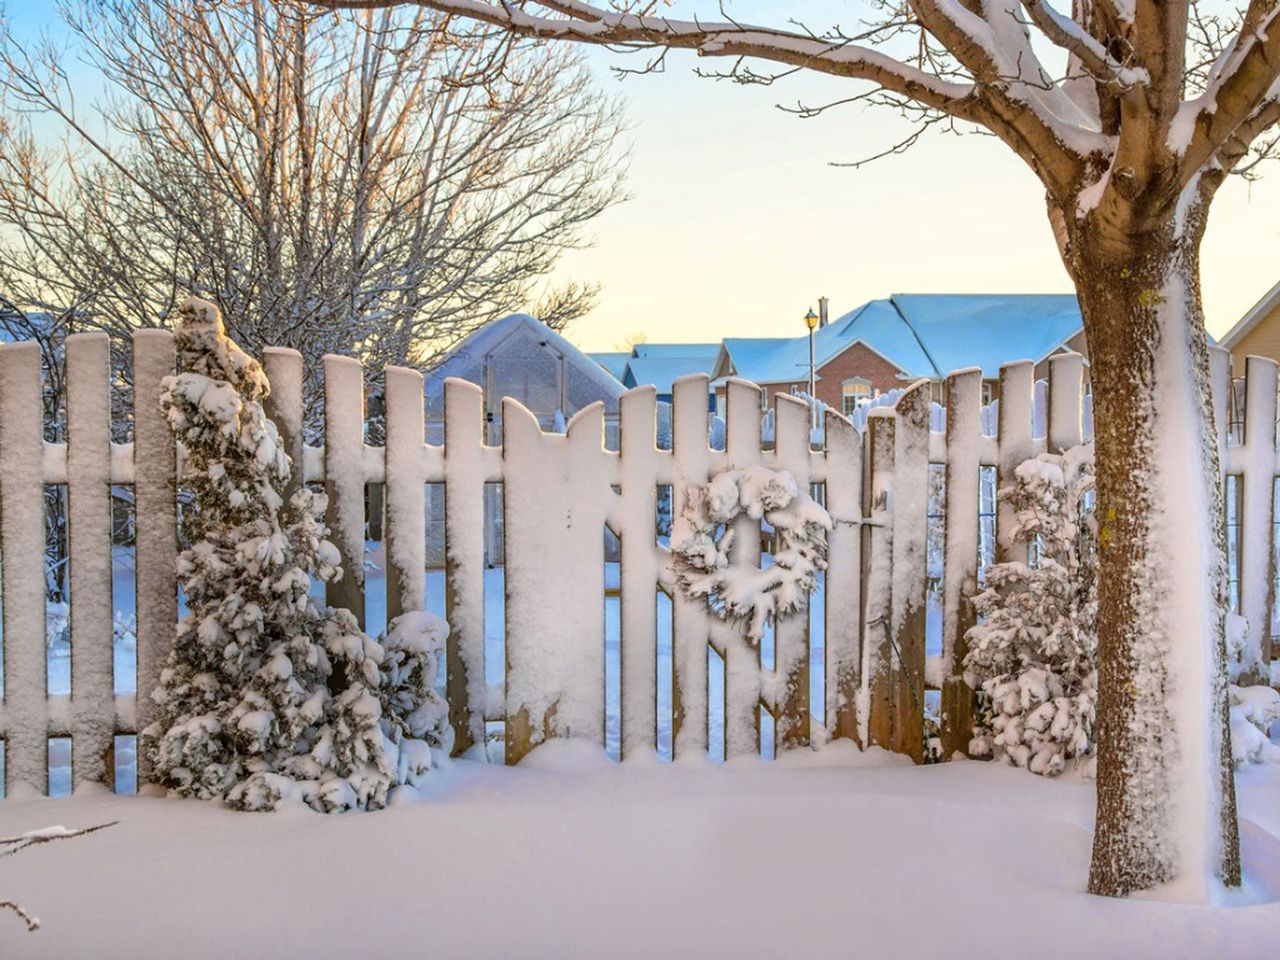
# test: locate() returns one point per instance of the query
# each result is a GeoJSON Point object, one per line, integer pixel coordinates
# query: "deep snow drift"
{"type": "Point", "coordinates": [571, 855]}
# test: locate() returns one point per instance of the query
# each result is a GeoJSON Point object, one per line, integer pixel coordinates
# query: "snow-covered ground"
{"type": "Point", "coordinates": [571, 855]}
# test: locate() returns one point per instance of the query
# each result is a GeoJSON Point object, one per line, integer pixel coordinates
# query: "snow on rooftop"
{"type": "Point", "coordinates": [660, 371]}
{"type": "Point", "coordinates": [924, 335]}
{"type": "Point", "coordinates": [705, 350]}
{"type": "Point", "coordinates": [614, 362]}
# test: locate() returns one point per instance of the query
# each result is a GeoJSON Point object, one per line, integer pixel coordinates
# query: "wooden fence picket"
{"type": "Point", "coordinates": [1017, 385]}
{"type": "Point", "coordinates": [742, 686]}
{"type": "Point", "coordinates": [691, 458]}
{"type": "Point", "coordinates": [793, 425]}
{"type": "Point", "coordinates": [344, 473]}
{"type": "Point", "coordinates": [93, 718]}
{"type": "Point", "coordinates": [878, 583]}
{"type": "Point", "coordinates": [406, 492]}
{"type": "Point", "coordinates": [842, 635]}
{"type": "Point", "coordinates": [1257, 498]}
{"type": "Point", "coordinates": [960, 553]}
{"type": "Point", "coordinates": [155, 525]}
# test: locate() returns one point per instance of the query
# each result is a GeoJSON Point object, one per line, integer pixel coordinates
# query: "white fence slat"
{"type": "Point", "coordinates": [406, 492]}
{"type": "Point", "coordinates": [1066, 387]}
{"type": "Point", "coordinates": [464, 480]}
{"type": "Point", "coordinates": [960, 552]}
{"type": "Point", "coordinates": [909, 509]}
{"type": "Point", "coordinates": [88, 380]}
{"type": "Point", "coordinates": [557, 494]}
{"type": "Point", "coordinates": [344, 477]}
{"type": "Point", "coordinates": [21, 556]}
{"type": "Point", "coordinates": [793, 426]}
{"type": "Point", "coordinates": [742, 660]}
{"type": "Point", "coordinates": [1257, 503]}
{"type": "Point", "coordinates": [877, 641]}
{"type": "Point", "coordinates": [284, 406]}
{"type": "Point", "coordinates": [1013, 443]}
{"type": "Point", "coordinates": [155, 527]}
{"type": "Point", "coordinates": [692, 463]}
{"type": "Point", "coordinates": [843, 594]}
{"type": "Point", "coordinates": [636, 526]}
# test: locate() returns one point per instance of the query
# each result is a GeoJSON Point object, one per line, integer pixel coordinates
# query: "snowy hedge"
{"type": "Point", "coordinates": [267, 696]}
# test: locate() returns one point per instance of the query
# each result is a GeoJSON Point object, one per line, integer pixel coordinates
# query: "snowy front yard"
{"type": "Point", "coordinates": [571, 855]}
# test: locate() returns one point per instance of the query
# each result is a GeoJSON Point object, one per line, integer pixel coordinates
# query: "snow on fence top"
{"type": "Point", "coordinates": [560, 492]}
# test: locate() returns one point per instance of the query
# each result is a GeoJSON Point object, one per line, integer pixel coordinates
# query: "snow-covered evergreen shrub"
{"type": "Point", "coordinates": [1254, 709]}
{"type": "Point", "coordinates": [267, 696]}
{"type": "Point", "coordinates": [1032, 654]}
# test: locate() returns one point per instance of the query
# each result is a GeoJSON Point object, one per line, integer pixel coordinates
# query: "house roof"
{"type": "Point", "coordinates": [1263, 308]}
{"type": "Point", "coordinates": [661, 371]}
{"type": "Point", "coordinates": [586, 380]}
{"type": "Point", "coordinates": [923, 335]}
{"type": "Point", "coordinates": [615, 363]}
{"type": "Point", "coordinates": [958, 331]}
{"type": "Point", "coordinates": [706, 350]}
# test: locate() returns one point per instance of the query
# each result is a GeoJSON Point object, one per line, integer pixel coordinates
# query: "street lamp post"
{"type": "Point", "coordinates": [811, 321]}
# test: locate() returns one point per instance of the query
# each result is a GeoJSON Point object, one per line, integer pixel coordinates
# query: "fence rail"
{"type": "Point", "coordinates": [560, 492]}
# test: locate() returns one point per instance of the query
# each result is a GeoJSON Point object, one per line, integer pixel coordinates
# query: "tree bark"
{"type": "Point", "coordinates": [1166, 796]}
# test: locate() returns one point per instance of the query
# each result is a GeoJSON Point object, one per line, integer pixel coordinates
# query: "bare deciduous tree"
{"type": "Point", "coordinates": [1155, 105]}
{"type": "Point", "coordinates": [361, 183]}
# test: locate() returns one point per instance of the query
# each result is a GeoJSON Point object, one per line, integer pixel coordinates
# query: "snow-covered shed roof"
{"type": "Point", "coordinates": [923, 335]}
{"type": "Point", "coordinates": [1263, 308]}
{"type": "Point", "coordinates": [523, 358]}
{"type": "Point", "coordinates": [614, 362]}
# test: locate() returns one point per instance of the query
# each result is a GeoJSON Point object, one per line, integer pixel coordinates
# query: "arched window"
{"type": "Point", "coordinates": [853, 390]}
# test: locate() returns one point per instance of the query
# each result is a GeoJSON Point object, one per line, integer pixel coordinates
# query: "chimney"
{"type": "Point", "coordinates": [822, 312]}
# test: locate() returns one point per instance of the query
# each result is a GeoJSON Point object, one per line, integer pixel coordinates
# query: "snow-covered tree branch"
{"type": "Point", "coordinates": [11, 845]}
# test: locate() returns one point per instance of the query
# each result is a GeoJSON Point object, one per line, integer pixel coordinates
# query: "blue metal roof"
{"type": "Point", "coordinates": [923, 335]}
{"type": "Point", "coordinates": [661, 370]}
{"type": "Point", "coordinates": [615, 363]}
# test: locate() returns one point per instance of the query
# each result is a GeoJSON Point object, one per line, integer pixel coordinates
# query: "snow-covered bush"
{"type": "Point", "coordinates": [1253, 711]}
{"type": "Point", "coordinates": [1031, 655]}
{"type": "Point", "coordinates": [266, 696]}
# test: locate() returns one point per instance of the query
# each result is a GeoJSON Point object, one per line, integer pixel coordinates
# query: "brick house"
{"type": "Point", "coordinates": [893, 342]}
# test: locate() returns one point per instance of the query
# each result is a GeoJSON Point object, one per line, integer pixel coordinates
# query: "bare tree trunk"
{"type": "Point", "coordinates": [1166, 794]}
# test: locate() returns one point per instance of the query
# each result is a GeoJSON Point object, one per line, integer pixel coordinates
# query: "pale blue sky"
{"type": "Point", "coordinates": [737, 222]}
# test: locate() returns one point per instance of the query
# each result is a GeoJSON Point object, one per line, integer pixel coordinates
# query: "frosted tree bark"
{"type": "Point", "coordinates": [1166, 802]}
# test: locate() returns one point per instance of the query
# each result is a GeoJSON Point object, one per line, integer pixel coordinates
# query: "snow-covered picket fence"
{"type": "Point", "coordinates": [559, 493]}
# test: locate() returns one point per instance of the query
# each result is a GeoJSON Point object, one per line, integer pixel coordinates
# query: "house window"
{"type": "Point", "coordinates": [988, 392]}
{"type": "Point", "coordinates": [852, 391]}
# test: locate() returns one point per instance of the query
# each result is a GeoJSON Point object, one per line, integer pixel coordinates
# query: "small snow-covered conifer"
{"type": "Point", "coordinates": [268, 697]}
{"type": "Point", "coordinates": [1032, 653]}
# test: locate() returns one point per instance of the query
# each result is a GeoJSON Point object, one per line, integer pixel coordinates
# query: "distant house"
{"type": "Point", "coordinates": [520, 357]}
{"type": "Point", "coordinates": [890, 343]}
{"type": "Point", "coordinates": [1258, 332]}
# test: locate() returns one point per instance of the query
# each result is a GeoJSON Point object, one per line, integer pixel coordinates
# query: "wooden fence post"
{"type": "Point", "coordinates": [155, 528]}
{"type": "Point", "coordinates": [960, 553]}
{"type": "Point", "coordinates": [284, 406]}
{"type": "Point", "coordinates": [635, 524]}
{"type": "Point", "coordinates": [691, 459]}
{"type": "Point", "coordinates": [909, 511]}
{"type": "Point", "coordinates": [464, 519]}
{"type": "Point", "coordinates": [406, 493]}
{"type": "Point", "coordinates": [842, 635]}
{"type": "Point", "coordinates": [877, 644]}
{"type": "Point", "coordinates": [741, 660]}
{"type": "Point", "coordinates": [1016, 389]}
{"type": "Point", "coordinates": [792, 427]}
{"type": "Point", "coordinates": [1257, 500]}
{"type": "Point", "coordinates": [89, 540]}
{"type": "Point", "coordinates": [344, 478]}
{"type": "Point", "coordinates": [22, 533]}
